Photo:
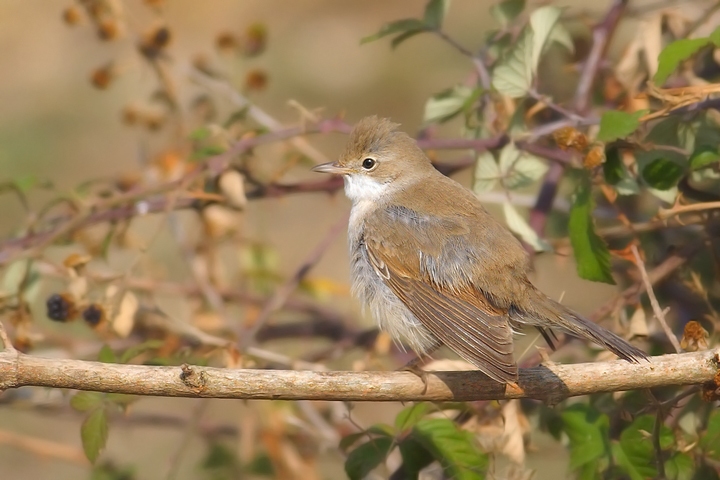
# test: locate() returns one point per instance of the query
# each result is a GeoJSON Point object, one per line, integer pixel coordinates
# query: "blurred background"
{"type": "Point", "coordinates": [57, 125]}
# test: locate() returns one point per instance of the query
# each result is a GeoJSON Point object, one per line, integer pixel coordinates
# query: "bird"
{"type": "Point", "coordinates": [434, 267]}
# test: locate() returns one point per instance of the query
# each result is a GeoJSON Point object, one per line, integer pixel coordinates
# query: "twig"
{"type": "Point", "coordinates": [7, 344]}
{"type": "Point", "coordinates": [545, 199]}
{"type": "Point", "coordinates": [129, 419]}
{"type": "Point", "coordinates": [601, 38]}
{"type": "Point", "coordinates": [659, 314]}
{"type": "Point", "coordinates": [659, 461]}
{"type": "Point", "coordinates": [43, 448]}
{"type": "Point", "coordinates": [191, 429]}
{"type": "Point", "coordinates": [695, 207]}
{"type": "Point", "coordinates": [551, 383]}
{"type": "Point", "coordinates": [259, 115]}
{"type": "Point", "coordinates": [482, 71]}
{"type": "Point", "coordinates": [657, 274]}
{"type": "Point", "coordinates": [548, 102]}
{"type": "Point", "coordinates": [283, 292]}
{"type": "Point", "coordinates": [707, 15]}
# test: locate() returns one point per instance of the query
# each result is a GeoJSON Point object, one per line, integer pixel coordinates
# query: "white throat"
{"type": "Point", "coordinates": [361, 188]}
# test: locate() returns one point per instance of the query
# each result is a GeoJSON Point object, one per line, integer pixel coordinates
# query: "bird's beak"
{"type": "Point", "coordinates": [331, 167]}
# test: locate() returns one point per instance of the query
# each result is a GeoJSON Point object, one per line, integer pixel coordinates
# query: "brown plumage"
{"type": "Point", "coordinates": [434, 266]}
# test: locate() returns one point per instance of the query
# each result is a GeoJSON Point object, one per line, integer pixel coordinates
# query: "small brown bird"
{"type": "Point", "coordinates": [434, 266]}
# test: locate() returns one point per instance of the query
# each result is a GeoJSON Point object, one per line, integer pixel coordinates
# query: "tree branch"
{"type": "Point", "coordinates": [551, 383]}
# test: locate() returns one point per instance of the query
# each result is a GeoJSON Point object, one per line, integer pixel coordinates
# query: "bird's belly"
{"type": "Point", "coordinates": [388, 310]}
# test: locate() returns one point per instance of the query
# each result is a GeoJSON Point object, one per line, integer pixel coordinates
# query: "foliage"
{"type": "Point", "coordinates": [621, 153]}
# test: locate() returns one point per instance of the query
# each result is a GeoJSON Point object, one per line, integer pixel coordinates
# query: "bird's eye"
{"type": "Point", "coordinates": [368, 163]}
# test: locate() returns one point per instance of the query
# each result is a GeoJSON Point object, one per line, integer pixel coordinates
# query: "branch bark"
{"type": "Point", "coordinates": [549, 383]}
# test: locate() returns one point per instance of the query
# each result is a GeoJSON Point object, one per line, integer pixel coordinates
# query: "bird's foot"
{"type": "Point", "coordinates": [414, 366]}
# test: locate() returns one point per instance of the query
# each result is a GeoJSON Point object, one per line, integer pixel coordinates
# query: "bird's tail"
{"type": "Point", "coordinates": [546, 312]}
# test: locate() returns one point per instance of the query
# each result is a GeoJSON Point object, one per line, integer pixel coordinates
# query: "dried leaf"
{"type": "Point", "coordinates": [695, 337]}
{"type": "Point", "coordinates": [570, 137]}
{"type": "Point", "coordinates": [232, 185]}
{"type": "Point", "coordinates": [514, 426]}
{"type": "Point", "coordinates": [219, 220]}
{"type": "Point", "coordinates": [124, 321]}
{"type": "Point", "coordinates": [638, 323]}
{"type": "Point", "coordinates": [75, 260]}
{"type": "Point", "coordinates": [594, 158]}
{"type": "Point", "coordinates": [78, 287]}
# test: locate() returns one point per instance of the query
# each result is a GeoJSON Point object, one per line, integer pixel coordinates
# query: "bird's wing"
{"type": "Point", "coordinates": [461, 317]}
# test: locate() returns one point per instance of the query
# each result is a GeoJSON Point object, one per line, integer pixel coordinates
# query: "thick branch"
{"type": "Point", "coordinates": [551, 383]}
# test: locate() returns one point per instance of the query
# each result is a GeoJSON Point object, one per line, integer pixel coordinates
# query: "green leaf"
{"type": "Point", "coordinates": [398, 26]}
{"type": "Point", "coordinates": [447, 104]}
{"type": "Point", "coordinates": [453, 448]}
{"type": "Point", "coordinates": [638, 452]}
{"type": "Point", "coordinates": [409, 416]}
{"type": "Point", "coordinates": [662, 174]}
{"type": "Point", "coordinates": [617, 175]}
{"type": "Point", "coordinates": [122, 400]}
{"type": "Point", "coordinates": [542, 22]}
{"type": "Point", "coordinates": [222, 461]}
{"type": "Point", "coordinates": [518, 225]}
{"type": "Point", "coordinates": [706, 472]}
{"type": "Point", "coordinates": [200, 134]}
{"type": "Point", "coordinates": [676, 52]}
{"type": "Point", "coordinates": [106, 355]}
{"type": "Point", "coordinates": [235, 117]}
{"type": "Point", "coordinates": [206, 152]}
{"type": "Point", "coordinates": [26, 183]}
{"type": "Point", "coordinates": [708, 131]}
{"type": "Point", "coordinates": [261, 465]}
{"type": "Point", "coordinates": [560, 34]}
{"type": "Point", "coordinates": [591, 252]}
{"type": "Point", "coordinates": [665, 132]}
{"type": "Point", "coordinates": [349, 440]}
{"type": "Point", "coordinates": [615, 124]}
{"type": "Point", "coordinates": [111, 471]}
{"type": "Point", "coordinates": [86, 401]}
{"type": "Point", "coordinates": [366, 457]}
{"type": "Point", "coordinates": [487, 173]}
{"type": "Point", "coordinates": [404, 36]}
{"type": "Point", "coordinates": [14, 274]}
{"type": "Point", "coordinates": [624, 464]}
{"type": "Point", "coordinates": [435, 11]}
{"type": "Point", "coordinates": [136, 350]}
{"type": "Point", "coordinates": [679, 467]}
{"type": "Point", "coordinates": [519, 168]}
{"type": "Point", "coordinates": [613, 167]}
{"type": "Point", "coordinates": [507, 10]}
{"type": "Point", "coordinates": [94, 433]}
{"type": "Point", "coordinates": [715, 37]}
{"type": "Point", "coordinates": [587, 430]}
{"type": "Point", "coordinates": [382, 429]}
{"type": "Point", "coordinates": [514, 73]}
{"type": "Point", "coordinates": [704, 156]}
{"type": "Point", "coordinates": [415, 457]}
{"type": "Point", "coordinates": [590, 471]}
{"type": "Point", "coordinates": [710, 441]}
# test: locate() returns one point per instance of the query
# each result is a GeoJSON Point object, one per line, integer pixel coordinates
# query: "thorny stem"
{"type": "Point", "coordinates": [659, 314]}
{"type": "Point", "coordinates": [482, 71]}
{"type": "Point", "coordinates": [601, 37]}
{"type": "Point", "coordinates": [283, 292]}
